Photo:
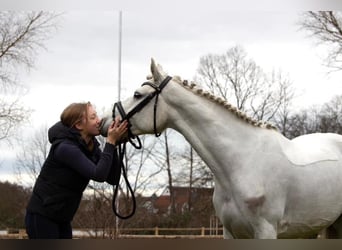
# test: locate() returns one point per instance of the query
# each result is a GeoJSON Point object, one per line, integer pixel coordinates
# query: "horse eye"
{"type": "Point", "coordinates": [137, 95]}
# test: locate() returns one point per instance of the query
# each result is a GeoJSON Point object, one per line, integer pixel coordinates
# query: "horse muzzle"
{"type": "Point", "coordinates": [104, 125]}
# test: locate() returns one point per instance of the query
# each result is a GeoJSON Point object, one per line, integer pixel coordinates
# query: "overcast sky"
{"type": "Point", "coordinates": [81, 60]}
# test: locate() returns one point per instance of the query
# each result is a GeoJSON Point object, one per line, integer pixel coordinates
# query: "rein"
{"type": "Point", "coordinates": [131, 137]}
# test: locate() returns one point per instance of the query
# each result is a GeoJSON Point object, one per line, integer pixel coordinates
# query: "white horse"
{"type": "Point", "coordinates": [266, 186]}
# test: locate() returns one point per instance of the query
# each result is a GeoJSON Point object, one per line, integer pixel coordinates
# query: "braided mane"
{"type": "Point", "coordinates": [198, 91]}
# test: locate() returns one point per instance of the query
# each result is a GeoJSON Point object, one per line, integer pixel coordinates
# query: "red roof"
{"type": "Point", "coordinates": [181, 194]}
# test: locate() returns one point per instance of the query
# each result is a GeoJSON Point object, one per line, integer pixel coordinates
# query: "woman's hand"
{"type": "Point", "coordinates": [116, 131]}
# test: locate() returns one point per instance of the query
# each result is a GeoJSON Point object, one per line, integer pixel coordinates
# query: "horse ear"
{"type": "Point", "coordinates": [157, 71]}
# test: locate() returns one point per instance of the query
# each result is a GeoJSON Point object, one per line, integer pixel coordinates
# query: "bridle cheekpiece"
{"type": "Point", "coordinates": [140, 106]}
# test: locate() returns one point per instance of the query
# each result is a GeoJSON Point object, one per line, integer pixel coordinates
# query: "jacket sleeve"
{"type": "Point", "coordinates": [115, 170]}
{"type": "Point", "coordinates": [72, 156]}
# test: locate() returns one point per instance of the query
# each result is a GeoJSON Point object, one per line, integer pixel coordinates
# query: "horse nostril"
{"type": "Point", "coordinates": [102, 121]}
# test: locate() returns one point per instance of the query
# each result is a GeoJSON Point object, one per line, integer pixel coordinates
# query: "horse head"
{"type": "Point", "coordinates": [146, 110]}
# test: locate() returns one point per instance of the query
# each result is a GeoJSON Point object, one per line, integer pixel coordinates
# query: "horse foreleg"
{"type": "Point", "coordinates": [335, 230]}
{"type": "Point", "coordinates": [226, 234]}
{"type": "Point", "coordinates": [263, 229]}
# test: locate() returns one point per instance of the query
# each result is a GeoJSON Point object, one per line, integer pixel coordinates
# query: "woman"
{"type": "Point", "coordinates": [73, 160]}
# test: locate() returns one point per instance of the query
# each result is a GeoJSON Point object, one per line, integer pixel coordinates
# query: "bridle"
{"type": "Point", "coordinates": [131, 136]}
{"type": "Point", "coordinates": [140, 106]}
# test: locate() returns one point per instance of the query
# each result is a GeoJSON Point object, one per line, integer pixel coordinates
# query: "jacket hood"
{"type": "Point", "coordinates": [61, 132]}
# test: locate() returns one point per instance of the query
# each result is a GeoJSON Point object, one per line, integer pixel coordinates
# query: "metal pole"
{"type": "Point", "coordinates": [119, 57]}
{"type": "Point", "coordinates": [119, 98]}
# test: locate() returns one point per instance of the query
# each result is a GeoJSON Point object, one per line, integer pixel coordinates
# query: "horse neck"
{"type": "Point", "coordinates": [213, 131]}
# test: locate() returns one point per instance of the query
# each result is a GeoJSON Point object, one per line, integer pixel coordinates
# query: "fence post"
{"type": "Point", "coordinates": [156, 231]}
{"type": "Point", "coordinates": [203, 231]}
{"type": "Point", "coordinates": [22, 234]}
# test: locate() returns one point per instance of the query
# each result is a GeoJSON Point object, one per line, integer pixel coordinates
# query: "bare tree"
{"type": "Point", "coordinates": [32, 155]}
{"type": "Point", "coordinates": [303, 122]}
{"type": "Point", "coordinates": [331, 116]}
{"type": "Point", "coordinates": [12, 113]}
{"type": "Point", "coordinates": [95, 211]}
{"type": "Point", "coordinates": [22, 34]}
{"type": "Point", "coordinates": [143, 168]}
{"type": "Point", "coordinates": [169, 173]}
{"type": "Point", "coordinates": [326, 27]}
{"type": "Point", "coordinates": [284, 94]}
{"type": "Point", "coordinates": [140, 164]}
{"type": "Point", "coordinates": [325, 119]}
{"type": "Point", "coordinates": [238, 79]}
{"type": "Point", "coordinates": [161, 156]}
{"type": "Point", "coordinates": [231, 75]}
{"type": "Point", "coordinates": [194, 173]}
{"type": "Point", "coordinates": [13, 202]}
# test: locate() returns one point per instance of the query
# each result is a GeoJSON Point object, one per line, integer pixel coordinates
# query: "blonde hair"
{"type": "Point", "coordinates": [75, 113]}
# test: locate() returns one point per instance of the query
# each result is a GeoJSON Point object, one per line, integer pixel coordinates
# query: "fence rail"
{"type": "Point", "coordinates": [171, 232]}
{"type": "Point", "coordinates": [153, 232]}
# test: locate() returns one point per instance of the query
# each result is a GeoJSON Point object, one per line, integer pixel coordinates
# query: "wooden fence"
{"type": "Point", "coordinates": [158, 232]}
{"type": "Point", "coordinates": [132, 233]}
{"type": "Point", "coordinates": [136, 233]}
